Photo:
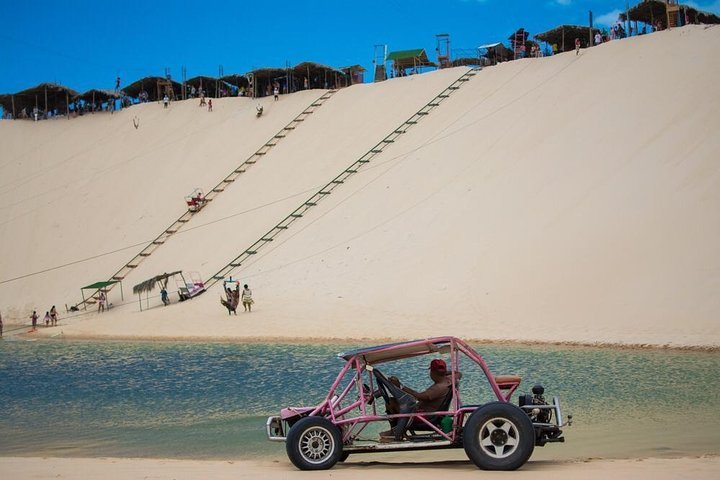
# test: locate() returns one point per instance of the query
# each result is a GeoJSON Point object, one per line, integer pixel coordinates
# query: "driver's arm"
{"type": "Point", "coordinates": [428, 395]}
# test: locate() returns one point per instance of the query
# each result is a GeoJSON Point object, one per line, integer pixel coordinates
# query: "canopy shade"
{"type": "Point", "coordinates": [407, 54]}
{"type": "Point", "coordinates": [410, 58]}
{"type": "Point", "coordinates": [394, 351]}
{"type": "Point", "coordinates": [99, 285]}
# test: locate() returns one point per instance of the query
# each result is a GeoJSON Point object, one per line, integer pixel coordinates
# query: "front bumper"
{"type": "Point", "coordinates": [275, 429]}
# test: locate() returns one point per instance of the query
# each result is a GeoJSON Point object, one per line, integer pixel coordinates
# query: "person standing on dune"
{"type": "Point", "coordinates": [247, 300]}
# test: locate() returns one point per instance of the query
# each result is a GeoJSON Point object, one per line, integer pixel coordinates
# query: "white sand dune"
{"type": "Point", "coordinates": [563, 199]}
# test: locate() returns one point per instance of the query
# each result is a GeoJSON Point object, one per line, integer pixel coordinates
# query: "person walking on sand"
{"type": "Point", "coordinates": [166, 100]}
{"type": "Point", "coordinates": [46, 319]}
{"type": "Point", "coordinates": [53, 316]}
{"type": "Point", "coordinates": [101, 302]}
{"type": "Point", "coordinates": [276, 92]}
{"type": "Point", "coordinates": [247, 300]}
{"type": "Point", "coordinates": [34, 318]}
{"type": "Point", "coordinates": [202, 99]}
{"type": "Point", "coordinates": [577, 46]}
{"type": "Point", "coordinates": [210, 105]}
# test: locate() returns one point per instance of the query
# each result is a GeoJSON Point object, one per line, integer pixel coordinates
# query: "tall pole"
{"type": "Point", "coordinates": [590, 32]}
{"type": "Point", "coordinates": [45, 100]}
{"type": "Point", "coordinates": [627, 18]}
{"type": "Point", "coordinates": [13, 105]}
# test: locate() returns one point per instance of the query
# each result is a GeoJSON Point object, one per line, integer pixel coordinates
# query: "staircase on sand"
{"type": "Point", "coordinates": [151, 247]}
{"type": "Point", "coordinates": [340, 179]}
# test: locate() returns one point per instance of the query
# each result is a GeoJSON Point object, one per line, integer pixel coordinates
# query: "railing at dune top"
{"type": "Point", "coordinates": [216, 190]}
{"type": "Point", "coordinates": [296, 214]}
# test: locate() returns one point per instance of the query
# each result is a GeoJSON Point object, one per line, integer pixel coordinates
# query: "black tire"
{"type": "Point", "coordinates": [343, 456]}
{"type": "Point", "coordinates": [499, 436]}
{"type": "Point", "coordinates": [314, 443]}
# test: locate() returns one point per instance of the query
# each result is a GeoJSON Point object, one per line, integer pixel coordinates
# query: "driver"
{"type": "Point", "coordinates": [432, 398]}
{"type": "Point", "coordinates": [429, 400]}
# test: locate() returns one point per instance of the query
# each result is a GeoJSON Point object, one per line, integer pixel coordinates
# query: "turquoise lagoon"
{"type": "Point", "coordinates": [210, 400]}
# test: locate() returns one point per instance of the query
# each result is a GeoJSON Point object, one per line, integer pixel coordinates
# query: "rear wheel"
{"type": "Point", "coordinates": [499, 436]}
{"type": "Point", "coordinates": [314, 443]}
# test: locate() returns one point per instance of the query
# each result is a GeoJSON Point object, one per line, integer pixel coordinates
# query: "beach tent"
{"type": "Point", "coordinates": [46, 97]}
{"type": "Point", "coordinates": [564, 37]}
{"type": "Point", "coordinates": [100, 287]}
{"type": "Point", "coordinates": [149, 285]}
{"type": "Point", "coordinates": [409, 59]}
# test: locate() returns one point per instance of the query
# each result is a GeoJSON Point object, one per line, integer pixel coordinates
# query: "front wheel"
{"type": "Point", "coordinates": [499, 436]}
{"type": "Point", "coordinates": [314, 443]}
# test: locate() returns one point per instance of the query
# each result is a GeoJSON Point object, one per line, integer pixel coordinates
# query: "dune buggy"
{"type": "Point", "coordinates": [496, 434]}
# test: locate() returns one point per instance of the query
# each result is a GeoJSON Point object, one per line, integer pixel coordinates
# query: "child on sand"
{"type": "Point", "coordinates": [210, 105]}
{"type": "Point", "coordinates": [34, 318]}
{"type": "Point", "coordinates": [46, 319]}
{"type": "Point", "coordinates": [577, 46]}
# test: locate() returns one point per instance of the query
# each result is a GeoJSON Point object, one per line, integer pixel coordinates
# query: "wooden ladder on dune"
{"type": "Point", "coordinates": [151, 247]}
{"type": "Point", "coordinates": [339, 179]}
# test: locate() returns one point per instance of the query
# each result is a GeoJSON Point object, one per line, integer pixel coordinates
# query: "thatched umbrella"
{"type": "Point", "coordinates": [149, 285]}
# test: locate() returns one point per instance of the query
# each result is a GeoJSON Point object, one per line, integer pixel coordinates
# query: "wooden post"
{"type": "Point", "coordinates": [67, 105]}
{"type": "Point", "coordinates": [46, 101]}
{"type": "Point", "coordinates": [13, 106]}
{"type": "Point", "coordinates": [140, 300]}
{"type": "Point", "coordinates": [93, 104]}
{"type": "Point", "coordinates": [563, 39]}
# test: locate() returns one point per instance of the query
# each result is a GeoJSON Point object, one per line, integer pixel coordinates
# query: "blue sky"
{"type": "Point", "coordinates": [87, 43]}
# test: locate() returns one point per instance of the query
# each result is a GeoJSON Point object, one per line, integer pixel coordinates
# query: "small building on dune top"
{"type": "Point", "coordinates": [406, 62]}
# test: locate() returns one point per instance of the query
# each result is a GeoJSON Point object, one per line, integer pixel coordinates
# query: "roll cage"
{"type": "Point", "coordinates": [353, 406]}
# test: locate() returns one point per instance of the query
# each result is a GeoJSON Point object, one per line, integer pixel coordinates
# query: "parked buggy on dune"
{"type": "Point", "coordinates": [496, 435]}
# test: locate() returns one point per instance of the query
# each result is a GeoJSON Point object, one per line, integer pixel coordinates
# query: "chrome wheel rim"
{"type": "Point", "coordinates": [499, 438]}
{"type": "Point", "coordinates": [316, 445]}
